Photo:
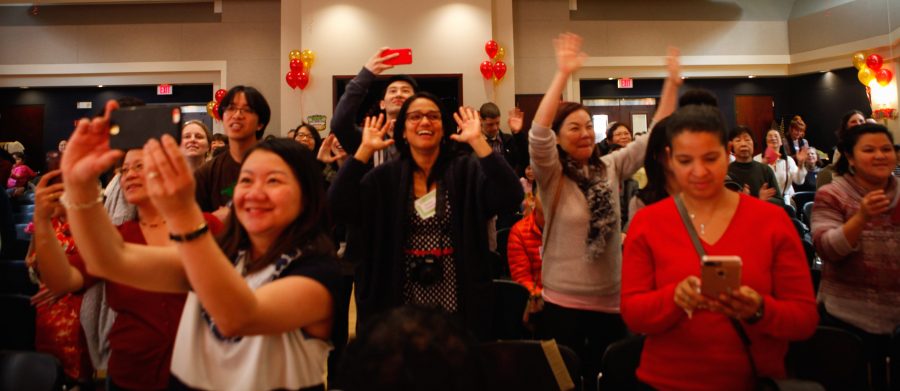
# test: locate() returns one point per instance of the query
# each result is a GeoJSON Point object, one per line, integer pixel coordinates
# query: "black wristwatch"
{"type": "Point", "coordinates": [756, 317]}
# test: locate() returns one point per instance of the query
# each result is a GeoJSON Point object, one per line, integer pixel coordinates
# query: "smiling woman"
{"type": "Point", "coordinates": [275, 254]}
{"type": "Point", "coordinates": [195, 139]}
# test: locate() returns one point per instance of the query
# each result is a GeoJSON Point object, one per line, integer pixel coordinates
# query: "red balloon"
{"type": "Point", "coordinates": [296, 65]}
{"type": "Point", "coordinates": [491, 48]}
{"type": "Point", "coordinates": [291, 80]}
{"type": "Point", "coordinates": [874, 62]}
{"type": "Point", "coordinates": [499, 69]}
{"type": "Point", "coordinates": [884, 76]}
{"type": "Point", "coordinates": [302, 79]}
{"type": "Point", "coordinates": [220, 93]}
{"type": "Point", "coordinates": [487, 69]}
{"type": "Point", "coordinates": [216, 111]}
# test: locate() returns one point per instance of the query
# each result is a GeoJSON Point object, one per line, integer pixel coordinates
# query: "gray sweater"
{"type": "Point", "coordinates": [565, 266]}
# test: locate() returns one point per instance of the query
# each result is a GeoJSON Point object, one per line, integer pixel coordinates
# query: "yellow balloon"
{"type": "Point", "coordinates": [308, 58]}
{"type": "Point", "coordinates": [865, 76]}
{"type": "Point", "coordinates": [210, 108]}
{"type": "Point", "coordinates": [501, 53]}
{"type": "Point", "coordinates": [859, 60]}
{"type": "Point", "coordinates": [295, 55]}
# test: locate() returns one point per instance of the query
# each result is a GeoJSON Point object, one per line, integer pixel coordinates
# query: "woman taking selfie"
{"type": "Point", "coordinates": [275, 254]}
{"type": "Point", "coordinates": [582, 253]}
{"type": "Point", "coordinates": [692, 341]}
{"type": "Point", "coordinates": [855, 227]}
{"type": "Point", "coordinates": [421, 219]}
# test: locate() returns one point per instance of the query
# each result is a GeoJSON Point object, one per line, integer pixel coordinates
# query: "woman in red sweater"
{"type": "Point", "coordinates": [691, 343]}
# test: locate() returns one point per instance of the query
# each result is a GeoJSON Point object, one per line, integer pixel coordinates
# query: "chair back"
{"type": "Point", "coordinates": [17, 327]}
{"type": "Point", "coordinates": [522, 366]}
{"type": "Point", "coordinates": [800, 198]}
{"type": "Point", "coordinates": [807, 213]}
{"type": "Point", "coordinates": [30, 371]}
{"type": "Point", "coordinates": [510, 299]}
{"type": "Point", "coordinates": [619, 364]}
{"type": "Point", "coordinates": [790, 210]}
{"type": "Point", "coordinates": [833, 357]}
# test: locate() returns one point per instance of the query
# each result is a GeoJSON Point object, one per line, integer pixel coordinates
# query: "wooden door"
{"type": "Point", "coordinates": [25, 124]}
{"type": "Point", "coordinates": [757, 113]}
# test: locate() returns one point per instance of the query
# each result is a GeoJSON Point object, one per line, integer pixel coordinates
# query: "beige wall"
{"type": "Point", "coordinates": [241, 49]}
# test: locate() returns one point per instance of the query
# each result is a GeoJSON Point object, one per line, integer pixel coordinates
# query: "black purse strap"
{"type": "Point", "coordinates": [686, 219]}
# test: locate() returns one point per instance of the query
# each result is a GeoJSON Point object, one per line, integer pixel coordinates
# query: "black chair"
{"type": "Point", "coordinates": [620, 362]}
{"type": "Point", "coordinates": [802, 229]}
{"type": "Point", "coordinates": [790, 210]}
{"type": "Point", "coordinates": [20, 232]}
{"type": "Point", "coordinates": [895, 359]}
{"type": "Point", "coordinates": [510, 299]}
{"type": "Point", "coordinates": [14, 278]}
{"type": "Point", "coordinates": [522, 366]}
{"type": "Point", "coordinates": [30, 371]}
{"type": "Point", "coordinates": [17, 327]}
{"type": "Point", "coordinates": [807, 213]}
{"type": "Point", "coordinates": [833, 358]}
{"type": "Point", "coordinates": [800, 198]}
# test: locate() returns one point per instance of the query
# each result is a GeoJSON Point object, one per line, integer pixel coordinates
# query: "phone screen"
{"type": "Point", "coordinates": [131, 127]}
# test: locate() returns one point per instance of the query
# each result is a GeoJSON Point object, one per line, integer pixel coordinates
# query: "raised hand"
{"type": "Point", "coordinates": [46, 197]}
{"type": "Point", "coordinates": [169, 180]}
{"type": "Point", "coordinates": [515, 120]}
{"type": "Point", "coordinates": [469, 123]}
{"type": "Point", "coordinates": [802, 156]}
{"type": "Point", "coordinates": [569, 56]}
{"type": "Point", "coordinates": [373, 139]}
{"type": "Point", "coordinates": [673, 65]}
{"type": "Point", "coordinates": [376, 63]}
{"type": "Point", "coordinates": [327, 153]}
{"type": "Point", "coordinates": [87, 153]}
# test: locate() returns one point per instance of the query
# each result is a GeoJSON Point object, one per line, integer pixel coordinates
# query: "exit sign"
{"type": "Point", "coordinates": [626, 83]}
{"type": "Point", "coordinates": [164, 89]}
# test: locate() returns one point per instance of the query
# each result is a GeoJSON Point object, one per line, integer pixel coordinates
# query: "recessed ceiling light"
{"type": "Point", "coordinates": [683, 77]}
{"type": "Point", "coordinates": [750, 77]}
{"type": "Point", "coordinates": [823, 71]}
{"type": "Point", "coordinates": [609, 78]}
{"type": "Point", "coordinates": [24, 87]}
{"type": "Point", "coordinates": [100, 86]}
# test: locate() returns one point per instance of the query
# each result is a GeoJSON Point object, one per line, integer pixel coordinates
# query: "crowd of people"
{"type": "Point", "coordinates": [227, 261]}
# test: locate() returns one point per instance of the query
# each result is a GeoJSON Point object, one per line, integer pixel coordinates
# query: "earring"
{"type": "Point", "coordinates": [851, 170]}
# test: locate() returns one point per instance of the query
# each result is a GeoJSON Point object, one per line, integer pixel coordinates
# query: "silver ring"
{"type": "Point", "coordinates": [152, 174]}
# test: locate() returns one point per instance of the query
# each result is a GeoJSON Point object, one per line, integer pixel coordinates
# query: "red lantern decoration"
{"type": "Point", "coordinates": [487, 69]}
{"type": "Point", "coordinates": [220, 93]}
{"type": "Point", "coordinates": [499, 69]}
{"type": "Point", "coordinates": [491, 48]}
{"type": "Point", "coordinates": [884, 76]}
{"type": "Point", "coordinates": [302, 79]}
{"type": "Point", "coordinates": [296, 65]}
{"type": "Point", "coordinates": [291, 80]}
{"type": "Point", "coordinates": [874, 62]}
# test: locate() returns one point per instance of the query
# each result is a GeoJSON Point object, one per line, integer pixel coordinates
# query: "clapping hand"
{"type": "Point", "coordinates": [874, 203]}
{"type": "Point", "coordinates": [766, 192]}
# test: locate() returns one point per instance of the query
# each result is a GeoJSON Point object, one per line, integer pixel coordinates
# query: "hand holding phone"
{"type": "Point", "coordinates": [720, 274]}
{"type": "Point", "coordinates": [404, 56]}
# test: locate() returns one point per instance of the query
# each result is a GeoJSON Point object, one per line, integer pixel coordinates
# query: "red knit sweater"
{"type": "Point", "coordinates": [523, 252]}
{"type": "Point", "coordinates": [705, 353]}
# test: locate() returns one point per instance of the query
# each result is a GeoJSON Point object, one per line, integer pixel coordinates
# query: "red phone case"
{"type": "Point", "coordinates": [404, 58]}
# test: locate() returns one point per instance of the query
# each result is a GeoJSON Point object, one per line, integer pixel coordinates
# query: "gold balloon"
{"type": "Point", "coordinates": [865, 76]}
{"type": "Point", "coordinates": [308, 58]}
{"type": "Point", "coordinates": [210, 107]}
{"type": "Point", "coordinates": [859, 60]}
{"type": "Point", "coordinates": [501, 54]}
{"type": "Point", "coordinates": [295, 54]}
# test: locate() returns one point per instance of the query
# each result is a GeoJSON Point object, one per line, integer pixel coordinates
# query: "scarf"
{"type": "Point", "coordinates": [600, 204]}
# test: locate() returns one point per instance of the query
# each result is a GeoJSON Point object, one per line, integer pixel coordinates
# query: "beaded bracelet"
{"type": "Point", "coordinates": [181, 238]}
{"type": "Point", "coordinates": [64, 200]}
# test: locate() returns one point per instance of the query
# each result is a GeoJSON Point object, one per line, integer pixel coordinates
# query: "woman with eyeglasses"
{"type": "Point", "coordinates": [308, 136]}
{"type": "Point", "coordinates": [419, 222]}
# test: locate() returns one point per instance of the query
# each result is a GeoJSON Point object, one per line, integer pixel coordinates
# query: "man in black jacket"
{"type": "Point", "coordinates": [513, 147]}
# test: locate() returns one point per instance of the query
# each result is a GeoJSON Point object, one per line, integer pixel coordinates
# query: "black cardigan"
{"type": "Point", "coordinates": [373, 202]}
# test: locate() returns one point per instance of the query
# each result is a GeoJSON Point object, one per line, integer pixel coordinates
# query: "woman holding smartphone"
{"type": "Point", "coordinates": [692, 343]}
{"type": "Point", "coordinates": [259, 309]}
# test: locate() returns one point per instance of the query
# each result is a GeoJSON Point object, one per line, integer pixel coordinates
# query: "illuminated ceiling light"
{"type": "Point", "coordinates": [100, 86]}
{"type": "Point", "coordinates": [750, 77]}
{"type": "Point", "coordinates": [609, 78]}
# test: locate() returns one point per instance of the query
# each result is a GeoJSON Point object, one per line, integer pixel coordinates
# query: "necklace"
{"type": "Point", "coordinates": [151, 225]}
{"type": "Point", "coordinates": [702, 225]}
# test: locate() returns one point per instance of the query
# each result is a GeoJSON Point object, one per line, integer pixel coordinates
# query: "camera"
{"type": "Point", "coordinates": [426, 270]}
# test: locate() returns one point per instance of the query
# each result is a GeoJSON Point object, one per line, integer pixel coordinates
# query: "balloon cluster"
{"type": "Point", "coordinates": [300, 62]}
{"type": "Point", "coordinates": [870, 68]}
{"type": "Point", "coordinates": [496, 69]}
{"type": "Point", "coordinates": [212, 108]}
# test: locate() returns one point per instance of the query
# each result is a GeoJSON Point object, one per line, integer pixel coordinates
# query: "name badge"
{"type": "Point", "coordinates": [426, 205]}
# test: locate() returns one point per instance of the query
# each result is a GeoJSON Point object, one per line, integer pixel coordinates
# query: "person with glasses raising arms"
{"type": "Point", "coordinates": [419, 220]}
{"type": "Point", "coordinates": [245, 114]}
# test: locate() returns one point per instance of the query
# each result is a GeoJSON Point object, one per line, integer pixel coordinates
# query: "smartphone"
{"type": "Point", "coordinates": [131, 127]}
{"type": "Point", "coordinates": [404, 58]}
{"type": "Point", "coordinates": [53, 159]}
{"type": "Point", "coordinates": [720, 274]}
